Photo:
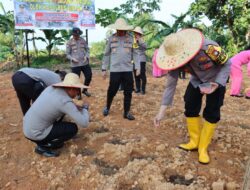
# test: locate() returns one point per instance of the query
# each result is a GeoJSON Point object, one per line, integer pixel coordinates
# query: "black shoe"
{"type": "Point", "coordinates": [79, 97]}
{"type": "Point", "coordinates": [46, 152]}
{"type": "Point", "coordinates": [53, 145]}
{"type": "Point", "coordinates": [247, 97]}
{"type": "Point", "coordinates": [129, 116]}
{"type": "Point", "coordinates": [86, 93]}
{"type": "Point", "coordinates": [105, 111]}
{"type": "Point", "coordinates": [237, 95]}
{"type": "Point", "coordinates": [137, 91]}
{"type": "Point", "coordinates": [143, 92]}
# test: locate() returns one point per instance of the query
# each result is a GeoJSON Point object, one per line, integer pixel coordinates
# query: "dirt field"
{"type": "Point", "coordinates": [114, 153]}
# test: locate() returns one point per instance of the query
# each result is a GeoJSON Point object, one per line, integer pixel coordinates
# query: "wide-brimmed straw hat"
{"type": "Point", "coordinates": [138, 30]}
{"type": "Point", "coordinates": [120, 24]}
{"type": "Point", "coordinates": [71, 80]}
{"type": "Point", "coordinates": [179, 48]}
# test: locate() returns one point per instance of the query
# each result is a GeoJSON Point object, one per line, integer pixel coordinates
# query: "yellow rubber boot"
{"type": "Point", "coordinates": [205, 139]}
{"type": "Point", "coordinates": [194, 130]}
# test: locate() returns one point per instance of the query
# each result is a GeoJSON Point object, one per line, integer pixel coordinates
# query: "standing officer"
{"type": "Point", "coordinates": [119, 54]}
{"type": "Point", "coordinates": [141, 80]}
{"type": "Point", "coordinates": [77, 51]}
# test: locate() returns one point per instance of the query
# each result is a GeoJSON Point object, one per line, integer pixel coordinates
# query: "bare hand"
{"type": "Point", "coordinates": [104, 74]}
{"type": "Point", "coordinates": [158, 119]}
{"type": "Point", "coordinates": [75, 60]}
{"type": "Point", "coordinates": [137, 72]}
{"type": "Point", "coordinates": [210, 90]}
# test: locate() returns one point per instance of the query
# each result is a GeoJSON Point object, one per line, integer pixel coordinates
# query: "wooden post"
{"type": "Point", "coordinates": [27, 47]}
{"type": "Point", "coordinates": [86, 35]}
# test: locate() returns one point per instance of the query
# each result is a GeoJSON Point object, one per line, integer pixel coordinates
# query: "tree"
{"type": "Point", "coordinates": [106, 17]}
{"type": "Point", "coordinates": [51, 39]}
{"type": "Point", "coordinates": [228, 17]}
{"type": "Point", "coordinates": [97, 49]}
{"type": "Point", "coordinates": [165, 29]}
{"type": "Point", "coordinates": [131, 7]}
{"type": "Point", "coordinates": [8, 47]}
{"type": "Point", "coordinates": [139, 7]}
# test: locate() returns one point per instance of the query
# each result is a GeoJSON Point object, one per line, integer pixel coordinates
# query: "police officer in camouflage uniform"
{"type": "Point", "coordinates": [120, 55]}
{"type": "Point", "coordinates": [77, 51]}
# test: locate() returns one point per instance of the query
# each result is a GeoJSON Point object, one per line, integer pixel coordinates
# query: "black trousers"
{"type": "Point", "coordinates": [27, 89]}
{"type": "Point", "coordinates": [60, 132]}
{"type": "Point", "coordinates": [86, 69]}
{"type": "Point", "coordinates": [116, 78]}
{"type": "Point", "coordinates": [141, 80]}
{"type": "Point", "coordinates": [214, 101]}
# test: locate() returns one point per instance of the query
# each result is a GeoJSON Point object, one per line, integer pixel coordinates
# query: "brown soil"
{"type": "Point", "coordinates": [114, 153]}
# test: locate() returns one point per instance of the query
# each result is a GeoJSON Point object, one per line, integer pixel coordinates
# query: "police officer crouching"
{"type": "Point", "coordinates": [120, 55]}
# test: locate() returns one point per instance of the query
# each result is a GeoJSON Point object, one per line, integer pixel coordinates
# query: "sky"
{"type": "Point", "coordinates": [168, 7]}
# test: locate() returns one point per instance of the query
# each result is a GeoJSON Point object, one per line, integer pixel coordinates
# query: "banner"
{"type": "Point", "coordinates": [54, 14]}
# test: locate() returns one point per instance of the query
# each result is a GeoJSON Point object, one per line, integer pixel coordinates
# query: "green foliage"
{"type": "Point", "coordinates": [51, 39]}
{"type": "Point", "coordinates": [165, 29]}
{"type": "Point", "coordinates": [65, 34]}
{"type": "Point", "coordinates": [104, 17]}
{"type": "Point", "coordinates": [230, 17]}
{"type": "Point", "coordinates": [7, 22]}
{"type": "Point", "coordinates": [97, 49]}
{"type": "Point", "coordinates": [6, 50]}
{"type": "Point", "coordinates": [8, 44]}
{"type": "Point", "coordinates": [139, 7]}
{"type": "Point", "coordinates": [5, 53]}
{"type": "Point", "coordinates": [107, 16]}
{"type": "Point", "coordinates": [48, 62]}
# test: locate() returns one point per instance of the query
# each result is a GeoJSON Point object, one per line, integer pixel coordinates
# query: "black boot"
{"type": "Point", "coordinates": [55, 144]}
{"type": "Point", "coordinates": [86, 93]}
{"type": "Point", "coordinates": [128, 116]}
{"type": "Point", "coordinates": [105, 111]}
{"type": "Point", "coordinates": [45, 152]}
{"type": "Point", "coordinates": [137, 91]}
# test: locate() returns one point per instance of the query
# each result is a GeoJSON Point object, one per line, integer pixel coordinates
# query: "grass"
{"type": "Point", "coordinates": [48, 62]}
